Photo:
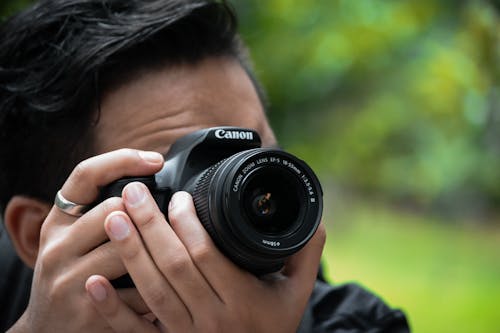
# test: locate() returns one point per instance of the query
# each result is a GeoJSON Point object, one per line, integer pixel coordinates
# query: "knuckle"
{"type": "Point", "coordinates": [51, 252]}
{"type": "Point", "coordinates": [149, 219]}
{"type": "Point", "coordinates": [176, 264]}
{"type": "Point", "coordinates": [130, 252]}
{"type": "Point", "coordinates": [60, 285]}
{"type": "Point", "coordinates": [45, 231]}
{"type": "Point", "coordinates": [156, 296]}
{"type": "Point", "coordinates": [81, 172]}
{"type": "Point", "coordinates": [201, 252]}
{"type": "Point", "coordinates": [129, 249]}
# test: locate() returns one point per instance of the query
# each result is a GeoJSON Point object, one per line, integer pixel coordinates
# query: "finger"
{"type": "Point", "coordinates": [158, 294]}
{"type": "Point", "coordinates": [167, 250]}
{"type": "Point", "coordinates": [111, 307]}
{"type": "Point", "coordinates": [133, 299]}
{"type": "Point", "coordinates": [88, 232]}
{"type": "Point", "coordinates": [302, 268]}
{"type": "Point", "coordinates": [216, 267]}
{"type": "Point", "coordinates": [85, 243]}
{"type": "Point", "coordinates": [106, 261]}
{"type": "Point", "coordinates": [83, 184]}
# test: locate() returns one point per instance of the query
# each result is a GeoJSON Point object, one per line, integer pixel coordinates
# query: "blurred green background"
{"type": "Point", "coordinates": [396, 104]}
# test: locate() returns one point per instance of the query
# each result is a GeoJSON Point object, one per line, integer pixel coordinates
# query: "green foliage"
{"type": "Point", "coordinates": [444, 278]}
{"type": "Point", "coordinates": [396, 98]}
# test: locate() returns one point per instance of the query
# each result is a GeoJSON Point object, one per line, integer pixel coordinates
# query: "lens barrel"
{"type": "Point", "coordinates": [259, 206]}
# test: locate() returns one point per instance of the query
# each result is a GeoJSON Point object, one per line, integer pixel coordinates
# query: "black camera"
{"type": "Point", "coordinates": [259, 205]}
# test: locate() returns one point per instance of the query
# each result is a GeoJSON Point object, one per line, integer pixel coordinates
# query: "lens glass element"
{"type": "Point", "coordinates": [272, 200]}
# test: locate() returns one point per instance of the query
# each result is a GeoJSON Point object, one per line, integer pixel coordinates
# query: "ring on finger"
{"type": "Point", "coordinates": [69, 207]}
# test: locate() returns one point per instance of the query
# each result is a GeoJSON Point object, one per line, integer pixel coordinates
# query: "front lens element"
{"type": "Point", "coordinates": [272, 201]}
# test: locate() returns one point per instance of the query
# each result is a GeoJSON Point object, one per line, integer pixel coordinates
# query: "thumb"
{"type": "Point", "coordinates": [303, 266]}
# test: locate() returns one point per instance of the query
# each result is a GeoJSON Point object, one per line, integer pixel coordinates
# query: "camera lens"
{"type": "Point", "coordinates": [271, 201]}
{"type": "Point", "coordinates": [259, 206]}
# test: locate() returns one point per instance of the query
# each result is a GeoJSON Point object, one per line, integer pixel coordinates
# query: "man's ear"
{"type": "Point", "coordinates": [23, 220]}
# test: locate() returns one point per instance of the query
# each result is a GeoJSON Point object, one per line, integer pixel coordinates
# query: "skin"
{"type": "Point", "coordinates": [184, 284]}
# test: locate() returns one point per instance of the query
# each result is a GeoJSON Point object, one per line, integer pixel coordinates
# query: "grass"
{"type": "Point", "coordinates": [445, 275]}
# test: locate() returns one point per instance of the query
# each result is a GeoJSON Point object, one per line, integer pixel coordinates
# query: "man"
{"type": "Point", "coordinates": [93, 91]}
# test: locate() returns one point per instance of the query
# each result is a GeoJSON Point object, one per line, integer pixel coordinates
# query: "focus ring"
{"type": "Point", "coordinates": [201, 197]}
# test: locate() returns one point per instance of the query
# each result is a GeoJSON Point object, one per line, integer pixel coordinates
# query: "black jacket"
{"type": "Point", "coordinates": [339, 309]}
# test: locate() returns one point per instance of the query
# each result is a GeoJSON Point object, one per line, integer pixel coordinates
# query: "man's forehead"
{"type": "Point", "coordinates": [156, 107]}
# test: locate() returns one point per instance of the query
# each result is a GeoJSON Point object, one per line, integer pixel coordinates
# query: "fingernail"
{"type": "Point", "coordinates": [176, 199]}
{"type": "Point", "coordinates": [151, 156]}
{"type": "Point", "coordinates": [97, 291]}
{"type": "Point", "coordinates": [118, 227]}
{"type": "Point", "coordinates": [134, 194]}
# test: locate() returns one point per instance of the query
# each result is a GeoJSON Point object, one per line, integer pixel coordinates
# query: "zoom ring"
{"type": "Point", "coordinates": [201, 198]}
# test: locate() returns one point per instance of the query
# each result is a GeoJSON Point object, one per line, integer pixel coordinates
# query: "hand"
{"type": "Point", "coordinates": [72, 249]}
{"type": "Point", "coordinates": [188, 284]}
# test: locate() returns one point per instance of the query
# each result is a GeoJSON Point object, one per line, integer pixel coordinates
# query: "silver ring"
{"type": "Point", "coordinates": [69, 207]}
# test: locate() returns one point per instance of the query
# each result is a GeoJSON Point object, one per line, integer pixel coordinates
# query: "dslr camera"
{"type": "Point", "coordinates": [259, 205]}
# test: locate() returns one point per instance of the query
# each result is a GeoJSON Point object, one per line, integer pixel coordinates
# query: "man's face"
{"type": "Point", "coordinates": [158, 106]}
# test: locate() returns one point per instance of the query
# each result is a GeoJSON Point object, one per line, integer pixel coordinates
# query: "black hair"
{"type": "Point", "coordinates": [58, 55]}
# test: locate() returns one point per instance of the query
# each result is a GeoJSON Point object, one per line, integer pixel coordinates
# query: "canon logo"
{"type": "Point", "coordinates": [233, 135]}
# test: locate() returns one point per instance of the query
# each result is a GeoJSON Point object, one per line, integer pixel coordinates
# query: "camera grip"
{"type": "Point", "coordinates": [115, 188]}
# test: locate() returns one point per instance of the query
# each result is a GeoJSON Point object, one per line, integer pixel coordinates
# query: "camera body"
{"type": "Point", "coordinates": [259, 205]}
